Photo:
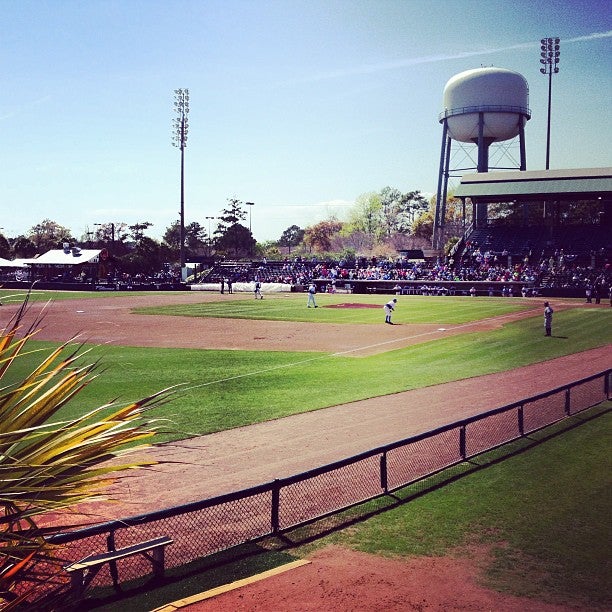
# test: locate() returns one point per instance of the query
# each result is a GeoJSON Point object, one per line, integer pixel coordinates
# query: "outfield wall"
{"type": "Point", "coordinates": [243, 287]}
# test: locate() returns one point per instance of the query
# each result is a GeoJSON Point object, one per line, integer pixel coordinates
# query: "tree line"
{"type": "Point", "coordinates": [379, 223]}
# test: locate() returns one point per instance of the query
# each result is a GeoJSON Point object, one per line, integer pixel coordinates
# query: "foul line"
{"type": "Point", "coordinates": [354, 350]}
{"type": "Point", "coordinates": [428, 333]}
{"type": "Point", "coordinates": [225, 588]}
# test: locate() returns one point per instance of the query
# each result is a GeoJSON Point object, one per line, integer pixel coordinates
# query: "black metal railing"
{"type": "Point", "coordinates": [486, 108]}
{"type": "Point", "coordinates": [212, 525]}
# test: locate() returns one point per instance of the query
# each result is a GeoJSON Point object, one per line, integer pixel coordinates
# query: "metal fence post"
{"type": "Point", "coordinates": [275, 510]}
{"type": "Point", "coordinates": [521, 423]}
{"type": "Point", "coordinates": [384, 485]}
{"type": "Point", "coordinates": [112, 566]}
{"type": "Point", "coordinates": [568, 403]}
{"type": "Point", "coordinates": [462, 442]}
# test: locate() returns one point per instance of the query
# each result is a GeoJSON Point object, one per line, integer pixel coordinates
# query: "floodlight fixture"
{"type": "Point", "coordinates": [549, 57]}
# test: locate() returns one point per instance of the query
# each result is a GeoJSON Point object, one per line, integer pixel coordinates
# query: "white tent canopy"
{"type": "Point", "coordinates": [72, 257]}
{"type": "Point", "coordinates": [7, 263]}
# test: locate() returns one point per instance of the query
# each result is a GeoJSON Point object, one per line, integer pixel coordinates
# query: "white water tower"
{"type": "Point", "coordinates": [482, 106]}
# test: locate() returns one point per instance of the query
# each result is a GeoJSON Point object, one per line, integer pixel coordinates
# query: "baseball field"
{"type": "Point", "coordinates": [239, 361]}
{"type": "Point", "coordinates": [268, 387]}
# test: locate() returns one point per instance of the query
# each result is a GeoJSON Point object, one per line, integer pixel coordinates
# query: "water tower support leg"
{"type": "Point", "coordinates": [522, 144]}
{"type": "Point", "coordinates": [483, 147]}
{"type": "Point", "coordinates": [442, 178]}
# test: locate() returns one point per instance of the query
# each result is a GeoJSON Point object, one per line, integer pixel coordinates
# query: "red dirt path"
{"type": "Point", "coordinates": [342, 580]}
{"type": "Point", "coordinates": [209, 465]}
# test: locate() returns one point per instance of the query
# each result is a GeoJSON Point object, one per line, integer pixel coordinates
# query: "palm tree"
{"type": "Point", "coordinates": [48, 466]}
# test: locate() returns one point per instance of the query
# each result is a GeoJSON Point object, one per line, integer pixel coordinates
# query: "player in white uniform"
{"type": "Point", "coordinates": [312, 289]}
{"type": "Point", "coordinates": [389, 308]}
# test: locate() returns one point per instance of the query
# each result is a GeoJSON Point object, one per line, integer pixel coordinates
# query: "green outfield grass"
{"type": "Point", "coordinates": [16, 296]}
{"type": "Point", "coordinates": [332, 308]}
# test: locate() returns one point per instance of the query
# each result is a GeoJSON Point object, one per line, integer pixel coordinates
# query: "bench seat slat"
{"type": "Point", "coordinates": [121, 553]}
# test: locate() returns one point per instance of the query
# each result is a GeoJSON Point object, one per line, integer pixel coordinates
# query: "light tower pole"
{"type": "Point", "coordinates": [112, 228]}
{"type": "Point", "coordinates": [209, 236]}
{"type": "Point", "coordinates": [549, 57]}
{"type": "Point", "coordinates": [250, 205]}
{"type": "Point", "coordinates": [180, 129]}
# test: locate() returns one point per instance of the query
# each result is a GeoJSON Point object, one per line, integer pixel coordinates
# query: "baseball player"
{"type": "Point", "coordinates": [389, 308]}
{"type": "Point", "coordinates": [548, 316]}
{"type": "Point", "coordinates": [312, 289]}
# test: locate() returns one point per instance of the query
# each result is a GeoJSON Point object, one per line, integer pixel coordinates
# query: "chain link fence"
{"type": "Point", "coordinates": [213, 525]}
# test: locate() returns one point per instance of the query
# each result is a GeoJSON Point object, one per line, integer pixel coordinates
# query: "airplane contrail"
{"type": "Point", "coordinates": [439, 57]}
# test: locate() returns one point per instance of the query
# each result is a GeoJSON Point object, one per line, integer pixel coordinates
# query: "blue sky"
{"type": "Point", "coordinates": [297, 106]}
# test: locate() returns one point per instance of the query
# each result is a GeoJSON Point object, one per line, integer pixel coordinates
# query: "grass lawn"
{"type": "Point", "coordinates": [36, 295]}
{"type": "Point", "coordinates": [544, 513]}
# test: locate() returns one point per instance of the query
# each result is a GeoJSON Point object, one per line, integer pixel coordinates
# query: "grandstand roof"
{"type": "Point", "coordinates": [577, 184]}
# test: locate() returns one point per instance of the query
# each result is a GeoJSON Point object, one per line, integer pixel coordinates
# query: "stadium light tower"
{"type": "Point", "coordinates": [209, 235]}
{"type": "Point", "coordinates": [180, 129]}
{"type": "Point", "coordinates": [250, 205]}
{"type": "Point", "coordinates": [549, 57]}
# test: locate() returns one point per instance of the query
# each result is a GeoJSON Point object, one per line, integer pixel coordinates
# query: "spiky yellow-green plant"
{"type": "Point", "coordinates": [52, 465]}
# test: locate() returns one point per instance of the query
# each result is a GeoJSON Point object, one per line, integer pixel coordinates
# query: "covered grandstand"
{"type": "Point", "coordinates": [538, 250]}
{"type": "Point", "coordinates": [569, 252]}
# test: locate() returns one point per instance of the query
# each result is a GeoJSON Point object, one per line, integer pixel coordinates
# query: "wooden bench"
{"type": "Point", "coordinates": [84, 571]}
